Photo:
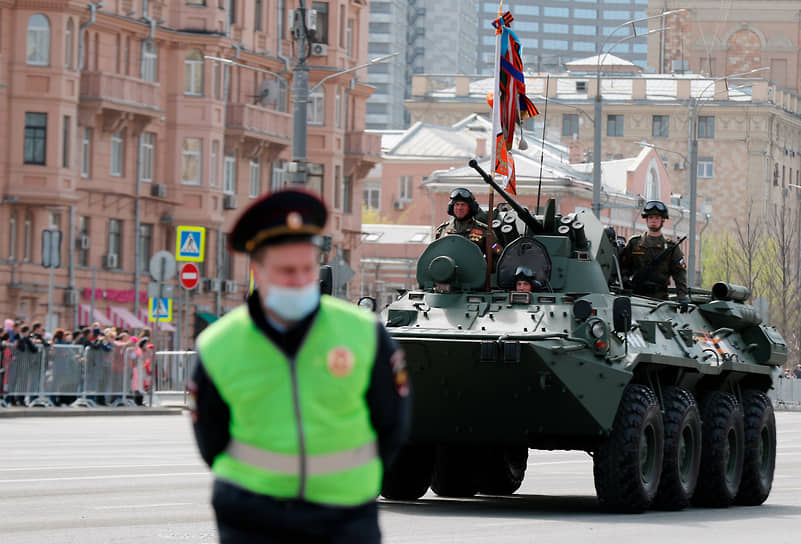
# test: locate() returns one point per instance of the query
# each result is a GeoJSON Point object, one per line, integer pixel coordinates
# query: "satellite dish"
{"type": "Point", "coordinates": [266, 92]}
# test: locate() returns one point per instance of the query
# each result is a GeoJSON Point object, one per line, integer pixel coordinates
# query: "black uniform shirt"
{"type": "Point", "coordinates": [387, 395]}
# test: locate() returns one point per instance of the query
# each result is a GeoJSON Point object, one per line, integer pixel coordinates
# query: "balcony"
{"type": "Point", "coordinates": [362, 152]}
{"type": "Point", "coordinates": [257, 129]}
{"type": "Point", "coordinates": [118, 98]}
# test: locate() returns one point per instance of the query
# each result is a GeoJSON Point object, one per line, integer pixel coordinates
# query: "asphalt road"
{"type": "Point", "coordinates": [136, 479]}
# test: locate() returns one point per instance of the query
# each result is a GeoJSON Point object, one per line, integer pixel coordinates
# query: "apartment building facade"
{"type": "Point", "coordinates": [119, 130]}
{"type": "Point", "coordinates": [718, 39]}
{"type": "Point", "coordinates": [554, 32]}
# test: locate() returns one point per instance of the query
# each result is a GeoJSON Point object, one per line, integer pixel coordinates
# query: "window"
{"type": "Point", "coordinates": [338, 108]}
{"type": "Point", "coordinates": [193, 73]}
{"type": "Point", "coordinates": [614, 125]}
{"type": "Point", "coordinates": [278, 180]}
{"type": "Point", "coordinates": [145, 243]}
{"type": "Point", "coordinates": [706, 167]}
{"type": "Point", "coordinates": [83, 50]}
{"type": "Point", "coordinates": [257, 15]}
{"type": "Point", "coordinates": [26, 257]}
{"type": "Point", "coordinates": [579, 13]}
{"type": "Point", "coordinates": [196, 2]}
{"type": "Point", "coordinates": [405, 189]}
{"type": "Point", "coordinates": [86, 153]}
{"type": "Point", "coordinates": [347, 194]}
{"type": "Point", "coordinates": [661, 126]}
{"type": "Point", "coordinates": [556, 12]}
{"type": "Point", "coordinates": [35, 138]}
{"type": "Point", "coordinates": [556, 28]}
{"type": "Point", "coordinates": [588, 47]}
{"type": "Point", "coordinates": [372, 196]}
{"type": "Point", "coordinates": [83, 230]}
{"type": "Point", "coordinates": [231, 12]}
{"type": "Point", "coordinates": [191, 159]}
{"type": "Point", "coordinates": [652, 185]}
{"type": "Point", "coordinates": [560, 45]}
{"type": "Point", "coordinates": [255, 178]}
{"type": "Point", "coordinates": [349, 39]}
{"type": "Point", "coordinates": [315, 109]}
{"type": "Point", "coordinates": [66, 131]}
{"type": "Point", "coordinates": [126, 56]}
{"type": "Point", "coordinates": [150, 55]}
{"type": "Point", "coordinates": [12, 235]}
{"type": "Point", "coordinates": [116, 153]}
{"type": "Point", "coordinates": [282, 16]}
{"type": "Point", "coordinates": [570, 124]}
{"type": "Point", "coordinates": [321, 34]}
{"type": "Point", "coordinates": [229, 175]}
{"type": "Point", "coordinates": [226, 271]}
{"type": "Point", "coordinates": [585, 30]}
{"type": "Point", "coordinates": [215, 152]}
{"type": "Point", "coordinates": [337, 188]}
{"type": "Point", "coordinates": [146, 148]}
{"type": "Point", "coordinates": [706, 126]}
{"type": "Point", "coordinates": [68, 44]}
{"type": "Point", "coordinates": [38, 51]}
{"type": "Point", "coordinates": [114, 237]}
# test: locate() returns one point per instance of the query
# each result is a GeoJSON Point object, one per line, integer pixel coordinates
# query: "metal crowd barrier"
{"type": "Point", "coordinates": [786, 392]}
{"type": "Point", "coordinates": [172, 372]}
{"type": "Point", "coordinates": [74, 375]}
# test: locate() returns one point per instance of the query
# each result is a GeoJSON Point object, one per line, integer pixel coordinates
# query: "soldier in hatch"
{"type": "Point", "coordinates": [645, 252]}
{"type": "Point", "coordinates": [464, 208]}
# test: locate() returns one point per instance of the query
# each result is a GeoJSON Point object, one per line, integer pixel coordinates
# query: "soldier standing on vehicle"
{"type": "Point", "coordinates": [300, 399]}
{"type": "Point", "coordinates": [646, 253]}
{"type": "Point", "coordinates": [464, 208]}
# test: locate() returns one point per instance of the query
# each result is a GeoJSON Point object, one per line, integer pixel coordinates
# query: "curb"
{"type": "Point", "coordinates": [83, 412]}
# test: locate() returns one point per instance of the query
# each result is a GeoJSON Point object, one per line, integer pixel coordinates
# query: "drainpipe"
{"type": "Point", "coordinates": [428, 194]}
{"type": "Point", "coordinates": [137, 224]}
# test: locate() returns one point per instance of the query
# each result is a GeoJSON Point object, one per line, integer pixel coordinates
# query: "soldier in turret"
{"type": "Point", "coordinates": [646, 252]}
{"type": "Point", "coordinates": [463, 208]}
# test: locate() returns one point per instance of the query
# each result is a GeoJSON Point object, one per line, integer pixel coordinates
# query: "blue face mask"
{"type": "Point", "coordinates": [292, 303]}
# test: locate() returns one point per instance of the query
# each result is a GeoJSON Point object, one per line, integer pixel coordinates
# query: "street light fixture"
{"type": "Point", "coordinates": [596, 150]}
{"type": "Point", "coordinates": [694, 111]}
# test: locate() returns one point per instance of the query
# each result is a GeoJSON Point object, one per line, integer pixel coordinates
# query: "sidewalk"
{"type": "Point", "coordinates": [65, 411]}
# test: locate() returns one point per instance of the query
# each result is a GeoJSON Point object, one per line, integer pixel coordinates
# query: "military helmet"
{"type": "Point", "coordinates": [463, 195]}
{"type": "Point", "coordinates": [524, 273]}
{"type": "Point", "coordinates": [655, 207]}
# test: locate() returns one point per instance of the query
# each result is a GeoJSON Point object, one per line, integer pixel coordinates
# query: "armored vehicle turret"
{"type": "Point", "coordinates": [671, 405]}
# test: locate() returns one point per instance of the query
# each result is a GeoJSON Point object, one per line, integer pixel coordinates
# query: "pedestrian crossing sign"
{"type": "Point", "coordinates": [190, 243]}
{"type": "Point", "coordinates": [159, 309]}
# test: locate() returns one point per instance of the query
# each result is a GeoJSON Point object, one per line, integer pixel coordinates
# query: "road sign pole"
{"type": "Point", "coordinates": [180, 319]}
{"type": "Point", "coordinates": [49, 324]}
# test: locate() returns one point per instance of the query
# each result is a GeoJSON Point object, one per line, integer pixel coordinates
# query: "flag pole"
{"type": "Point", "coordinates": [496, 124]}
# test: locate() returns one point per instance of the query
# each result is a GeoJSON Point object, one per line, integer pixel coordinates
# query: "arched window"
{"type": "Point", "coordinates": [68, 44]}
{"type": "Point", "coordinates": [652, 185]}
{"type": "Point", "coordinates": [193, 73]}
{"type": "Point", "coordinates": [38, 52]}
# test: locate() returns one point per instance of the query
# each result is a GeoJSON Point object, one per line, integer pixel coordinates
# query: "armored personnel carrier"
{"type": "Point", "coordinates": [671, 405]}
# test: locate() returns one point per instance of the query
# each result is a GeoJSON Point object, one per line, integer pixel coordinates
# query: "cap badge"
{"type": "Point", "coordinates": [340, 362]}
{"type": "Point", "coordinates": [294, 221]}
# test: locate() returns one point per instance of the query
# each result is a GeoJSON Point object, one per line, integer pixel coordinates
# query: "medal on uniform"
{"type": "Point", "coordinates": [340, 362]}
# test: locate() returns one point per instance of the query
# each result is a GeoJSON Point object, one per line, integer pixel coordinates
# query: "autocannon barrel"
{"type": "Point", "coordinates": [532, 222]}
{"type": "Point", "coordinates": [729, 291]}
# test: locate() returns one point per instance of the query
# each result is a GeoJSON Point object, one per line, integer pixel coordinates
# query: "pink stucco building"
{"type": "Point", "coordinates": [119, 129]}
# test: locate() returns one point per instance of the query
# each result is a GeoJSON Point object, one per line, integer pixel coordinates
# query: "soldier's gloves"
{"type": "Point", "coordinates": [684, 305]}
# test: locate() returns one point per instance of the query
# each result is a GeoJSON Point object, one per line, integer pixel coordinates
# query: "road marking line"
{"type": "Point", "coordinates": [77, 467]}
{"type": "Point", "coordinates": [129, 506]}
{"type": "Point", "coordinates": [105, 477]}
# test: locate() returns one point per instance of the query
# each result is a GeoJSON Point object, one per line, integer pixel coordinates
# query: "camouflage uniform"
{"type": "Point", "coordinates": [473, 229]}
{"type": "Point", "coordinates": [641, 250]}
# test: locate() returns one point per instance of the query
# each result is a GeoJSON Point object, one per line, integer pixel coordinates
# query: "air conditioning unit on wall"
{"type": "Point", "coordinates": [111, 261]}
{"type": "Point", "coordinates": [229, 202]}
{"type": "Point", "coordinates": [83, 241]}
{"type": "Point", "coordinates": [397, 204]}
{"type": "Point", "coordinates": [230, 287]}
{"type": "Point", "coordinates": [70, 297]}
{"type": "Point", "coordinates": [211, 285]}
{"type": "Point", "coordinates": [159, 190]}
{"type": "Point", "coordinates": [319, 50]}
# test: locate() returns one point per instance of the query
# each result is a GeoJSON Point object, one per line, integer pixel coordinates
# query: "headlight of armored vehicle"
{"type": "Point", "coordinates": [597, 329]}
{"type": "Point", "coordinates": [599, 335]}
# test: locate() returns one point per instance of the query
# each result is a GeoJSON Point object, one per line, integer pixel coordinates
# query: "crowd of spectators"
{"type": "Point", "coordinates": [794, 374]}
{"type": "Point", "coordinates": [19, 337]}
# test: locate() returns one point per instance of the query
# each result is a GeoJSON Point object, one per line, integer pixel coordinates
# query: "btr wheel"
{"type": "Point", "coordinates": [502, 470]}
{"type": "Point", "coordinates": [682, 459]}
{"type": "Point", "coordinates": [760, 449]}
{"type": "Point", "coordinates": [409, 476]}
{"type": "Point", "coordinates": [454, 472]}
{"type": "Point", "coordinates": [628, 463]}
{"type": "Point", "coordinates": [721, 450]}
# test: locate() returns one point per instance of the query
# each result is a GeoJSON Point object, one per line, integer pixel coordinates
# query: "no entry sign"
{"type": "Point", "coordinates": [189, 276]}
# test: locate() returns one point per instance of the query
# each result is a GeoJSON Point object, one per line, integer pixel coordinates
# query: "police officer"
{"type": "Point", "coordinates": [643, 249]}
{"type": "Point", "coordinates": [299, 400]}
{"type": "Point", "coordinates": [463, 208]}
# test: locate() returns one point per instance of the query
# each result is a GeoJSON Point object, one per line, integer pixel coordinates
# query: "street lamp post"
{"type": "Point", "coordinates": [596, 149]}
